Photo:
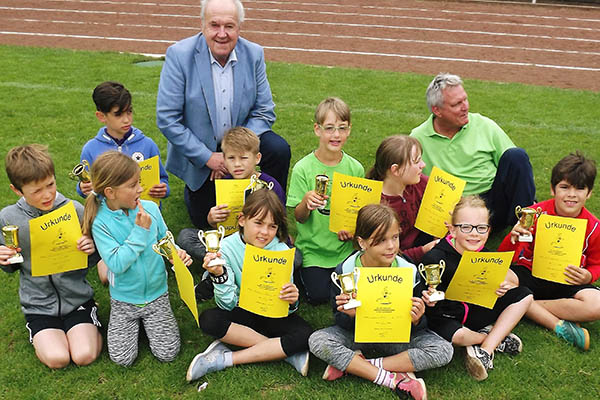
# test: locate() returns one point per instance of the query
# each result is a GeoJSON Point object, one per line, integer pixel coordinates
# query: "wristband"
{"type": "Point", "coordinates": [219, 279]}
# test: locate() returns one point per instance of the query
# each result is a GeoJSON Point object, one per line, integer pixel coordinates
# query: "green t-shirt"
{"type": "Point", "coordinates": [318, 245]}
{"type": "Point", "coordinates": [472, 154]}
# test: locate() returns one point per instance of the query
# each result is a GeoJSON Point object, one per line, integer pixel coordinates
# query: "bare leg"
{"type": "Point", "coordinates": [584, 307]}
{"type": "Point", "coordinates": [85, 343]}
{"type": "Point", "coordinates": [52, 348]}
{"type": "Point", "coordinates": [102, 272]}
{"type": "Point", "coordinates": [505, 323]}
{"type": "Point", "coordinates": [258, 347]}
{"type": "Point", "coordinates": [466, 337]}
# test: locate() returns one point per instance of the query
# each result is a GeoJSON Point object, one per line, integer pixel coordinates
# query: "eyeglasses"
{"type": "Point", "coordinates": [332, 128]}
{"type": "Point", "coordinates": [468, 228]}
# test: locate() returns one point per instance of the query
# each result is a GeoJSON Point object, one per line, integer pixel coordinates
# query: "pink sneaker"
{"type": "Point", "coordinates": [410, 386]}
{"type": "Point", "coordinates": [332, 373]}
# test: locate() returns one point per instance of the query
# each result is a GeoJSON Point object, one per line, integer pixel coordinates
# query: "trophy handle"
{"type": "Point", "coordinates": [442, 267]}
{"type": "Point", "coordinates": [356, 277]}
{"type": "Point", "coordinates": [201, 237]}
{"type": "Point", "coordinates": [169, 237]}
{"type": "Point", "coordinates": [86, 164]}
{"type": "Point", "coordinates": [221, 231]}
{"type": "Point", "coordinates": [538, 211]}
{"type": "Point", "coordinates": [518, 212]}
{"type": "Point", "coordinates": [158, 250]}
{"type": "Point", "coordinates": [270, 186]}
{"type": "Point", "coordinates": [421, 269]}
{"type": "Point", "coordinates": [334, 278]}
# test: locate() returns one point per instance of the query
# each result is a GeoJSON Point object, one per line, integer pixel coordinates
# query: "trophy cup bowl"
{"type": "Point", "coordinates": [432, 274]}
{"type": "Point", "coordinates": [321, 182]}
{"type": "Point", "coordinates": [164, 246]}
{"type": "Point", "coordinates": [81, 172]}
{"type": "Point", "coordinates": [347, 285]}
{"type": "Point", "coordinates": [527, 217]}
{"type": "Point", "coordinates": [212, 242]}
{"type": "Point", "coordinates": [11, 240]}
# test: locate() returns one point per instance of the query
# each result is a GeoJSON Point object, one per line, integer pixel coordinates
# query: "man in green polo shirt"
{"type": "Point", "coordinates": [474, 148]}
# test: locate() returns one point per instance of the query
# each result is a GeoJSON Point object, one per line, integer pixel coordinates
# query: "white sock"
{"type": "Point", "coordinates": [385, 378]}
{"type": "Point", "coordinates": [228, 355]}
{"type": "Point", "coordinates": [378, 362]}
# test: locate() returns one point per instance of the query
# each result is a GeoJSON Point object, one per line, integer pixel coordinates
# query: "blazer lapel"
{"type": "Point", "coordinates": [204, 71]}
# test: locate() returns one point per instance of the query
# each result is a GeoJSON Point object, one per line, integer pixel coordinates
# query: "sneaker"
{"type": "Point", "coordinates": [299, 361]}
{"type": "Point", "coordinates": [211, 360]}
{"type": "Point", "coordinates": [409, 386]}
{"type": "Point", "coordinates": [204, 290]}
{"type": "Point", "coordinates": [511, 345]}
{"type": "Point", "coordinates": [574, 334]}
{"type": "Point", "coordinates": [331, 373]}
{"type": "Point", "coordinates": [478, 362]}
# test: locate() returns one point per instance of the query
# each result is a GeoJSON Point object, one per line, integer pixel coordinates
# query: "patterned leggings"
{"type": "Point", "coordinates": [159, 323]}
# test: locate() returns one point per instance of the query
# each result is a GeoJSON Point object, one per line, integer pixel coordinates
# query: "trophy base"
{"type": "Point", "coordinates": [353, 303]}
{"type": "Point", "coordinates": [216, 261]}
{"type": "Point", "coordinates": [16, 259]}
{"type": "Point", "coordinates": [437, 296]}
{"type": "Point", "coordinates": [526, 238]}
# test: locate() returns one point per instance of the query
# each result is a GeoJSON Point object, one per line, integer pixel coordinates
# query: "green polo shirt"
{"type": "Point", "coordinates": [472, 154]}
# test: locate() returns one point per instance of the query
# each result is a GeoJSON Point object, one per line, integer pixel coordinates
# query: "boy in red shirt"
{"type": "Point", "coordinates": [557, 306]}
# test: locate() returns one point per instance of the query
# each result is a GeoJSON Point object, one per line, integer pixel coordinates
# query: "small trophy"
{"type": "Point", "coordinates": [432, 274]}
{"type": "Point", "coordinates": [348, 286]}
{"type": "Point", "coordinates": [321, 182]}
{"type": "Point", "coordinates": [11, 240]}
{"type": "Point", "coordinates": [81, 172]}
{"type": "Point", "coordinates": [256, 184]}
{"type": "Point", "coordinates": [527, 217]}
{"type": "Point", "coordinates": [164, 246]}
{"type": "Point", "coordinates": [212, 242]}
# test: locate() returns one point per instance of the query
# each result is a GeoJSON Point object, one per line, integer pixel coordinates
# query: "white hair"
{"type": "Point", "coordinates": [434, 94]}
{"type": "Point", "coordinates": [238, 5]}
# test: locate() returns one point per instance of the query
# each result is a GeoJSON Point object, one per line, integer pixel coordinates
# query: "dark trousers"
{"type": "Point", "coordinates": [275, 162]}
{"type": "Point", "coordinates": [292, 330]}
{"type": "Point", "coordinates": [513, 186]}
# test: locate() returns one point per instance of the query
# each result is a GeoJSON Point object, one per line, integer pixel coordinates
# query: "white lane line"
{"type": "Point", "coordinates": [467, 60]}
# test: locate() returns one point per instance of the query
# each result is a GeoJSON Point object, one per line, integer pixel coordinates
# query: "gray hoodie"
{"type": "Point", "coordinates": [57, 294]}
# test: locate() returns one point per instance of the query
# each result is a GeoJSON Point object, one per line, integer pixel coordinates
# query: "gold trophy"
{"type": "Point", "coordinates": [11, 240]}
{"type": "Point", "coordinates": [212, 242]}
{"type": "Point", "coordinates": [347, 285]}
{"type": "Point", "coordinates": [432, 274]}
{"type": "Point", "coordinates": [256, 184]}
{"type": "Point", "coordinates": [527, 217]}
{"type": "Point", "coordinates": [165, 246]}
{"type": "Point", "coordinates": [81, 172]}
{"type": "Point", "coordinates": [321, 182]}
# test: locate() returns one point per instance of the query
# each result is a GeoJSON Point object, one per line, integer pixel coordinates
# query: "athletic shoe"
{"type": "Point", "coordinates": [511, 345]}
{"type": "Point", "coordinates": [478, 362]}
{"type": "Point", "coordinates": [409, 386]}
{"type": "Point", "coordinates": [331, 373]}
{"type": "Point", "coordinates": [299, 361]}
{"type": "Point", "coordinates": [574, 334]}
{"type": "Point", "coordinates": [204, 290]}
{"type": "Point", "coordinates": [211, 360]}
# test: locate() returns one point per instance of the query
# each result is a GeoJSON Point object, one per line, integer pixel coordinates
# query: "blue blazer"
{"type": "Point", "coordinates": [185, 104]}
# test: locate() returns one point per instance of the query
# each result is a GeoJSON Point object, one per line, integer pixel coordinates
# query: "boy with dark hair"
{"type": "Point", "coordinates": [114, 110]}
{"type": "Point", "coordinates": [559, 307]}
{"type": "Point", "coordinates": [59, 309]}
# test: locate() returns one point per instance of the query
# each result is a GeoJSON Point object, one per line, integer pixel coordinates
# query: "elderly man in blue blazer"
{"type": "Point", "coordinates": [211, 82]}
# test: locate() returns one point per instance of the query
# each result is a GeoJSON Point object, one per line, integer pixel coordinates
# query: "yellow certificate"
{"type": "Point", "coordinates": [149, 176]}
{"type": "Point", "coordinates": [185, 283]}
{"type": "Point", "coordinates": [478, 276]}
{"type": "Point", "coordinates": [54, 239]}
{"type": "Point", "coordinates": [558, 243]}
{"type": "Point", "coordinates": [348, 195]}
{"type": "Point", "coordinates": [384, 315]}
{"type": "Point", "coordinates": [231, 192]}
{"type": "Point", "coordinates": [442, 193]}
{"type": "Point", "coordinates": [264, 274]}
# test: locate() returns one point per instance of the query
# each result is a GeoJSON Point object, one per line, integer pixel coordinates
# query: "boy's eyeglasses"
{"type": "Point", "coordinates": [332, 128]}
{"type": "Point", "coordinates": [468, 228]}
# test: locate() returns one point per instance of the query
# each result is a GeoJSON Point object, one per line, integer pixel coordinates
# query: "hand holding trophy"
{"type": "Point", "coordinates": [165, 246]}
{"type": "Point", "coordinates": [347, 285]}
{"type": "Point", "coordinates": [11, 240]}
{"type": "Point", "coordinates": [527, 217]}
{"type": "Point", "coordinates": [432, 274]}
{"type": "Point", "coordinates": [81, 172]}
{"type": "Point", "coordinates": [321, 182]}
{"type": "Point", "coordinates": [212, 242]}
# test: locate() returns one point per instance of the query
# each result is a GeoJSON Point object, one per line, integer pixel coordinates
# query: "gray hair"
{"type": "Point", "coordinates": [238, 4]}
{"type": "Point", "coordinates": [438, 84]}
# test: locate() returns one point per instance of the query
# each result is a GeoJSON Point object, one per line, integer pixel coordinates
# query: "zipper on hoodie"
{"type": "Point", "coordinates": [57, 294]}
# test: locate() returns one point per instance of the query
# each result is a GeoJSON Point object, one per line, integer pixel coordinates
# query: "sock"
{"type": "Point", "coordinates": [378, 362]}
{"type": "Point", "coordinates": [228, 355]}
{"type": "Point", "coordinates": [385, 378]}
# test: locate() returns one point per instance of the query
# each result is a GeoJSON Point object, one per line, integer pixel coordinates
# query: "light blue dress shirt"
{"type": "Point", "coordinates": [223, 84]}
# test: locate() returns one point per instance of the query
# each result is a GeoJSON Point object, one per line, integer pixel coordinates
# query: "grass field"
{"type": "Point", "coordinates": [46, 98]}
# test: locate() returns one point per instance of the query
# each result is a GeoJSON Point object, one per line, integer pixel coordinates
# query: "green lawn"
{"type": "Point", "coordinates": [46, 98]}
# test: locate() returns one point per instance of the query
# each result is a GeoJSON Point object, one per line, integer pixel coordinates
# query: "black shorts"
{"type": "Point", "coordinates": [84, 314]}
{"type": "Point", "coordinates": [546, 290]}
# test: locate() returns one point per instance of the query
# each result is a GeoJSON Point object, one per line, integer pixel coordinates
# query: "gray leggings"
{"type": "Point", "coordinates": [159, 323]}
{"type": "Point", "coordinates": [335, 346]}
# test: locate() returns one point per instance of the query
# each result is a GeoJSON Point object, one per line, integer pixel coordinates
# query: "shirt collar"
{"type": "Point", "coordinates": [232, 59]}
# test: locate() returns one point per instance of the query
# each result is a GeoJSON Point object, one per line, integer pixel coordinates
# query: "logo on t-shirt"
{"type": "Point", "coordinates": [137, 156]}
